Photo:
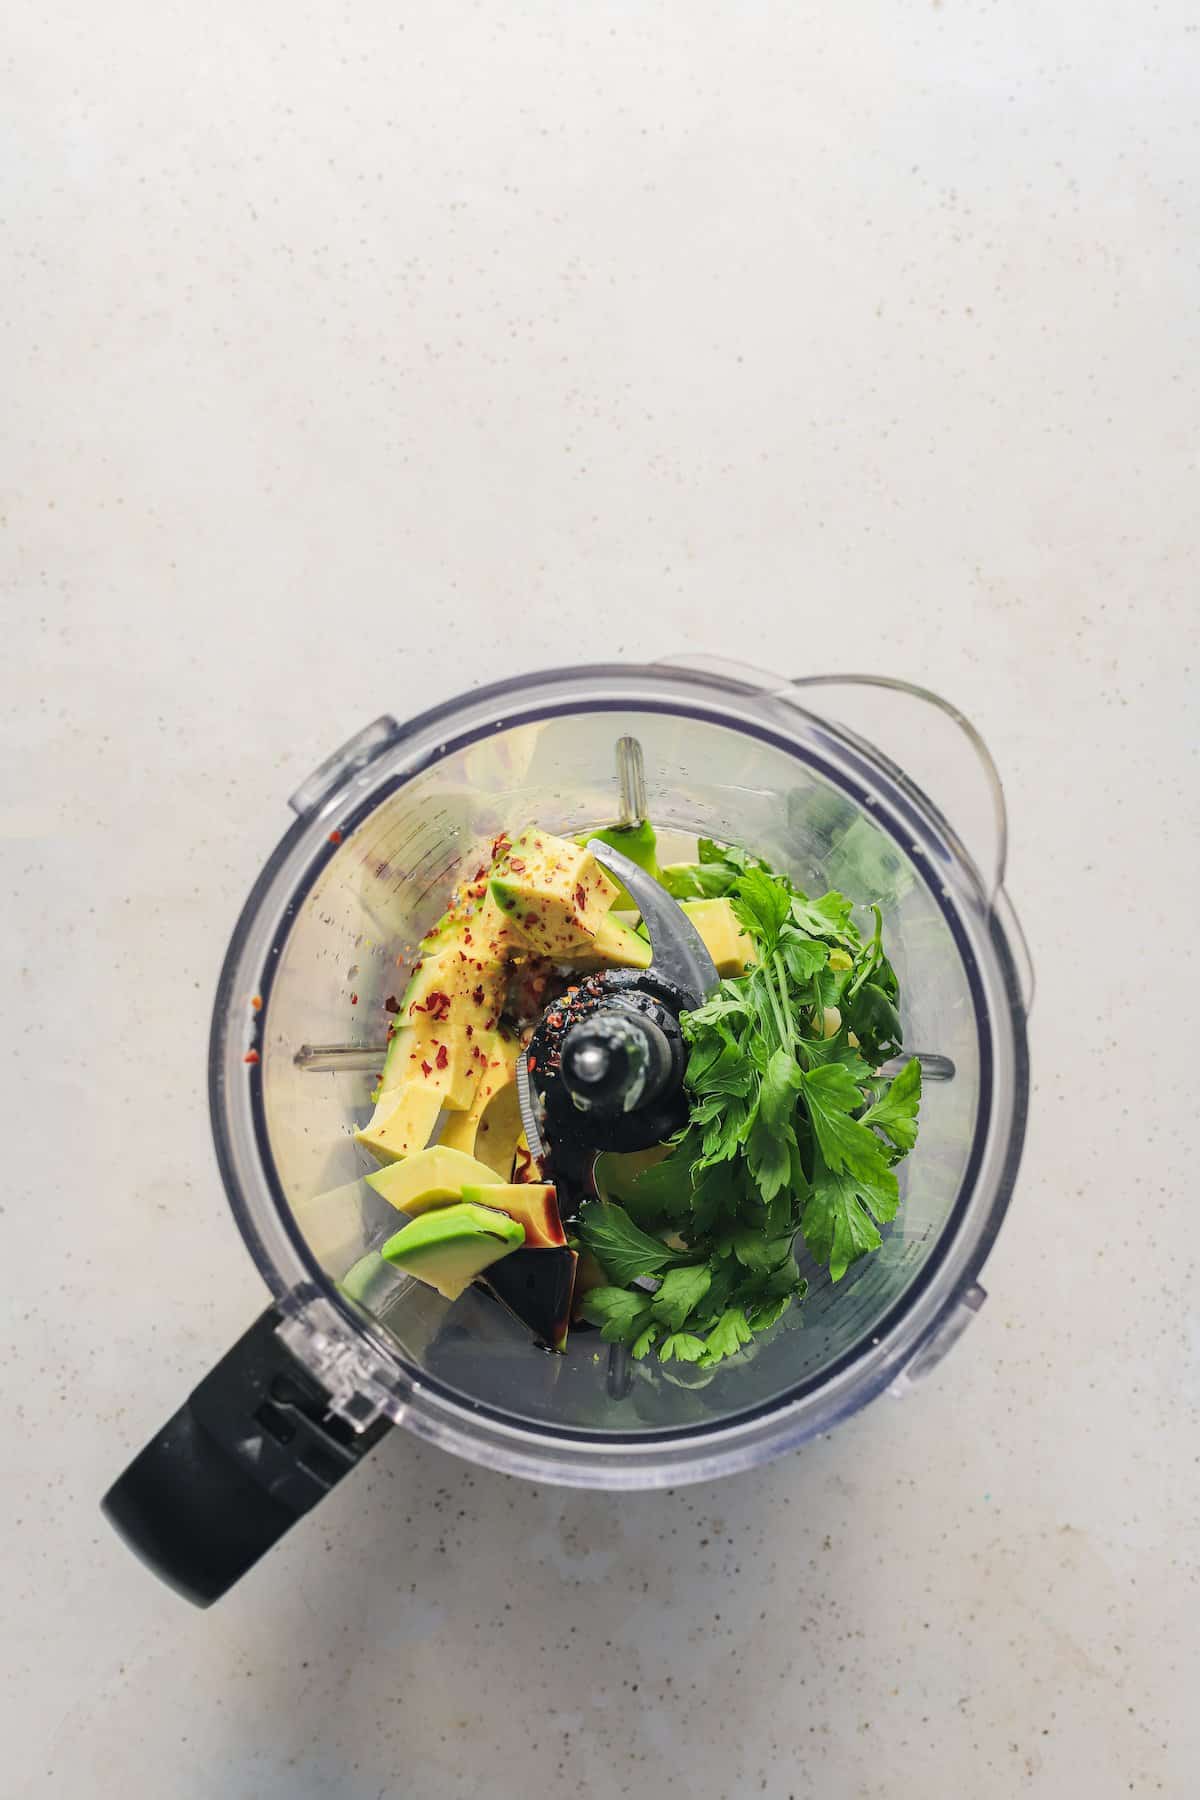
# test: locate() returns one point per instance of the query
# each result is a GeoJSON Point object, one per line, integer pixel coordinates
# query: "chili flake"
{"type": "Point", "coordinates": [251, 1056]}
{"type": "Point", "coordinates": [335, 837]}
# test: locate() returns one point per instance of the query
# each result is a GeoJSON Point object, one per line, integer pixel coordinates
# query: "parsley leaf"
{"type": "Point", "coordinates": [682, 1346]}
{"type": "Point", "coordinates": [832, 1097]}
{"type": "Point", "coordinates": [697, 881]}
{"type": "Point", "coordinates": [681, 1292]}
{"type": "Point", "coordinates": [761, 904]}
{"type": "Point", "coordinates": [771, 1137]}
{"type": "Point", "coordinates": [839, 1219]}
{"type": "Point", "coordinates": [729, 1333]}
{"type": "Point", "coordinates": [895, 1112]}
{"type": "Point", "coordinates": [622, 1249]}
{"type": "Point", "coordinates": [619, 1312]}
{"type": "Point", "coordinates": [875, 1021]}
{"type": "Point", "coordinates": [828, 917]}
{"type": "Point", "coordinates": [803, 957]}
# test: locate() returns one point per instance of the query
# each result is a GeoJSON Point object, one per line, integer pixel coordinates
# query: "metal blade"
{"type": "Point", "coordinates": [677, 947]}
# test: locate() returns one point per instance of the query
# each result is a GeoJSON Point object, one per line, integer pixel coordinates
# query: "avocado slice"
{"type": "Point", "coordinates": [403, 1122]}
{"type": "Point", "coordinates": [453, 997]}
{"type": "Point", "coordinates": [448, 1247]}
{"type": "Point", "coordinates": [537, 1287]}
{"type": "Point", "coordinates": [489, 1135]}
{"type": "Point", "coordinates": [432, 1177]}
{"type": "Point", "coordinates": [533, 1204]}
{"type": "Point", "coordinates": [489, 1128]}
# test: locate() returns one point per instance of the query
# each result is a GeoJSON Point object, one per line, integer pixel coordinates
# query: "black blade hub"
{"type": "Point", "coordinates": [606, 1063]}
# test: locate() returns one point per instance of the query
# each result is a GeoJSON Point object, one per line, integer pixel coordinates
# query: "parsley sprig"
{"type": "Point", "coordinates": [789, 1130]}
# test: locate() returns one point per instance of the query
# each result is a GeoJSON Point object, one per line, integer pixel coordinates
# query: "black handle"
{"type": "Point", "coordinates": [253, 1448]}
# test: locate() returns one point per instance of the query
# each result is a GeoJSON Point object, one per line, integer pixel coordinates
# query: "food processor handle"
{"type": "Point", "coordinates": [252, 1449]}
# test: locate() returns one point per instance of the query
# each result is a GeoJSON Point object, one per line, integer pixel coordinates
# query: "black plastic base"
{"type": "Point", "coordinates": [253, 1449]}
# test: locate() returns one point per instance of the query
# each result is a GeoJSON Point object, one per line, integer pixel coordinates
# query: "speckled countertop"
{"type": "Point", "coordinates": [359, 354]}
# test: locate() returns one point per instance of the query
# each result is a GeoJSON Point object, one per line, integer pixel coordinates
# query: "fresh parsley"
{"type": "Point", "coordinates": [791, 1132]}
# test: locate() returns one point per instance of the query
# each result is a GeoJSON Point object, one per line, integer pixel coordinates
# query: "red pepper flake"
{"type": "Point", "coordinates": [530, 919]}
{"type": "Point", "coordinates": [391, 1004]}
{"type": "Point", "coordinates": [554, 1020]}
{"type": "Point", "coordinates": [467, 938]}
{"type": "Point", "coordinates": [580, 896]}
{"type": "Point", "coordinates": [532, 1060]}
{"type": "Point", "coordinates": [251, 1056]}
{"type": "Point", "coordinates": [470, 1031]}
{"type": "Point", "coordinates": [477, 994]}
{"type": "Point", "coordinates": [516, 865]}
{"type": "Point", "coordinates": [489, 1024]}
{"type": "Point", "coordinates": [436, 1005]}
{"type": "Point", "coordinates": [354, 999]}
{"type": "Point", "coordinates": [443, 1056]}
{"type": "Point", "coordinates": [426, 1070]}
{"type": "Point", "coordinates": [335, 837]}
{"type": "Point", "coordinates": [256, 1002]}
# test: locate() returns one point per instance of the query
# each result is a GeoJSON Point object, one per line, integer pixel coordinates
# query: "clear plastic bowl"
{"type": "Point", "coordinates": [382, 832]}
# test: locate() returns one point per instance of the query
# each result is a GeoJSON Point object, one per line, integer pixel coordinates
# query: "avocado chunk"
{"type": "Point", "coordinates": [533, 1204]}
{"type": "Point", "coordinates": [431, 1177]}
{"type": "Point", "coordinates": [730, 947]}
{"type": "Point", "coordinates": [448, 1247]}
{"type": "Point", "coordinates": [617, 944]}
{"type": "Point", "coordinates": [638, 842]}
{"type": "Point", "coordinates": [553, 893]}
{"type": "Point", "coordinates": [537, 1288]}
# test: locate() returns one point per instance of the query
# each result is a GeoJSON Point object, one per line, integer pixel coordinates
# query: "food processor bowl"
{"type": "Point", "coordinates": [855, 782]}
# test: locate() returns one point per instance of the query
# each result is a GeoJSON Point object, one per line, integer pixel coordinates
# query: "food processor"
{"type": "Point", "coordinates": [861, 783]}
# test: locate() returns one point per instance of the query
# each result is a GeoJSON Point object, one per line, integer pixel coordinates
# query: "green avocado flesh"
{"type": "Point", "coordinates": [638, 842]}
{"type": "Point", "coordinates": [448, 1247]}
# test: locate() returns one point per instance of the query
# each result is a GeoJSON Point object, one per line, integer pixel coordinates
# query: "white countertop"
{"type": "Point", "coordinates": [357, 355]}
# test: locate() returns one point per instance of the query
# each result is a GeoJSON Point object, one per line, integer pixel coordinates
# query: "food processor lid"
{"type": "Point", "coordinates": [365, 1377]}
